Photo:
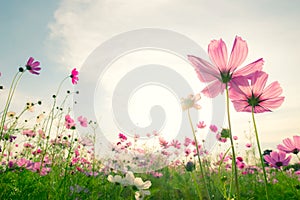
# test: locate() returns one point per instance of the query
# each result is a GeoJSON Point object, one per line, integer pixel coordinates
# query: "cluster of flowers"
{"type": "Point", "coordinates": [131, 180]}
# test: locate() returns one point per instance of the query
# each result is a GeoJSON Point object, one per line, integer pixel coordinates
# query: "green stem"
{"type": "Point", "coordinates": [12, 89]}
{"type": "Point", "coordinates": [260, 154]}
{"type": "Point", "coordinates": [198, 154]}
{"type": "Point", "coordinates": [234, 168]}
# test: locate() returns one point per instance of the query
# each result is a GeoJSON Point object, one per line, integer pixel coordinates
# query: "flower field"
{"type": "Point", "coordinates": [44, 157]}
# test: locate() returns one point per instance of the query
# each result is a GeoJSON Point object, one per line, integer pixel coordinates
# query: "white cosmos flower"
{"type": "Point", "coordinates": [141, 185]}
{"type": "Point", "coordinates": [190, 102]}
{"type": "Point", "coordinates": [114, 179]}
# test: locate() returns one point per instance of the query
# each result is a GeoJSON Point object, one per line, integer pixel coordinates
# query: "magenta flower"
{"type": "Point", "coordinates": [122, 137]}
{"type": "Point", "coordinates": [33, 66]}
{"type": "Point", "coordinates": [222, 71]}
{"type": "Point", "coordinates": [277, 159]}
{"type": "Point", "coordinates": [245, 96]}
{"type": "Point", "coordinates": [74, 76]}
{"type": "Point", "coordinates": [83, 121]}
{"type": "Point", "coordinates": [290, 146]}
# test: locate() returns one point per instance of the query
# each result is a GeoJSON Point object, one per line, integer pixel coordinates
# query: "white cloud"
{"type": "Point", "coordinates": [271, 31]}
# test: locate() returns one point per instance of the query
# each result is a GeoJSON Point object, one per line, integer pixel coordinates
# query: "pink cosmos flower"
{"type": "Point", "coordinates": [245, 96]}
{"type": "Point", "coordinates": [201, 124]}
{"type": "Point", "coordinates": [187, 141]}
{"type": "Point", "coordinates": [83, 121]}
{"type": "Point", "coordinates": [290, 146]}
{"type": "Point", "coordinates": [235, 137]}
{"type": "Point", "coordinates": [163, 143]}
{"type": "Point", "coordinates": [277, 159]}
{"type": "Point", "coordinates": [69, 122]}
{"type": "Point", "coordinates": [222, 71]}
{"type": "Point", "coordinates": [213, 128]}
{"type": "Point", "coordinates": [176, 144]}
{"type": "Point", "coordinates": [74, 76]}
{"type": "Point", "coordinates": [33, 66]}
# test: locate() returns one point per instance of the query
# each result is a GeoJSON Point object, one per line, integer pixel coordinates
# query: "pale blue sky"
{"type": "Point", "coordinates": [61, 34]}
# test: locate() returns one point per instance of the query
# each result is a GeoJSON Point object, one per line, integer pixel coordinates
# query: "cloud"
{"type": "Point", "coordinates": [271, 30]}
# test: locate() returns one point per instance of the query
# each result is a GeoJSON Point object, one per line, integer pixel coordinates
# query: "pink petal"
{"type": "Point", "coordinates": [250, 68]}
{"type": "Point", "coordinates": [271, 91]}
{"type": "Point", "coordinates": [35, 64]}
{"type": "Point", "coordinates": [258, 82]}
{"type": "Point", "coordinates": [261, 109]}
{"type": "Point", "coordinates": [241, 106]}
{"type": "Point", "coordinates": [30, 60]}
{"type": "Point", "coordinates": [272, 103]}
{"type": "Point", "coordinates": [297, 141]}
{"type": "Point", "coordinates": [283, 148]}
{"type": "Point", "coordinates": [206, 72]}
{"type": "Point", "coordinates": [269, 159]}
{"type": "Point", "coordinates": [288, 143]}
{"type": "Point", "coordinates": [238, 54]}
{"type": "Point", "coordinates": [281, 155]}
{"type": "Point", "coordinates": [213, 89]}
{"type": "Point", "coordinates": [241, 85]}
{"type": "Point", "coordinates": [286, 161]}
{"type": "Point", "coordinates": [217, 52]}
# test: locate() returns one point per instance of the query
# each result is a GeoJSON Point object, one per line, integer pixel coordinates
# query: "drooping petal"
{"type": "Point", "coordinates": [238, 54]}
{"type": "Point", "coordinates": [272, 103]}
{"type": "Point", "coordinates": [214, 89]}
{"type": "Point", "coordinates": [217, 52]}
{"type": "Point", "coordinates": [241, 106]}
{"type": "Point", "coordinates": [258, 82]}
{"type": "Point", "coordinates": [250, 68]}
{"type": "Point", "coordinates": [206, 72]}
{"type": "Point", "coordinates": [261, 109]}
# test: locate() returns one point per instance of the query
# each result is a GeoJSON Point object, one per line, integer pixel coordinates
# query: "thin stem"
{"type": "Point", "coordinates": [198, 153]}
{"type": "Point", "coordinates": [260, 154]}
{"type": "Point", "coordinates": [234, 168]}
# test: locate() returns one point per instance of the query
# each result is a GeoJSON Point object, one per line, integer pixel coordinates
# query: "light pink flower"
{"type": "Point", "coordinates": [222, 71]}
{"type": "Point", "coordinates": [176, 144]}
{"type": "Point", "coordinates": [83, 121]}
{"type": "Point", "coordinates": [277, 159]}
{"type": "Point", "coordinates": [190, 102]}
{"type": "Point", "coordinates": [235, 137]}
{"type": "Point", "coordinates": [245, 96]}
{"type": "Point", "coordinates": [290, 146]}
{"type": "Point", "coordinates": [33, 66]}
{"type": "Point", "coordinates": [74, 76]}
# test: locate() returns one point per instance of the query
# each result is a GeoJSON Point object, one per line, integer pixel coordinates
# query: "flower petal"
{"type": "Point", "coordinates": [272, 103]}
{"type": "Point", "coordinates": [213, 89]}
{"type": "Point", "coordinates": [258, 82]}
{"type": "Point", "coordinates": [217, 52]}
{"type": "Point", "coordinates": [238, 54]}
{"type": "Point", "coordinates": [206, 72]}
{"type": "Point", "coordinates": [250, 68]}
{"type": "Point", "coordinates": [271, 91]}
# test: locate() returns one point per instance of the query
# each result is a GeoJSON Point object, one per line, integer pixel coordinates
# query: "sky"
{"type": "Point", "coordinates": [62, 35]}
